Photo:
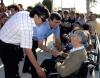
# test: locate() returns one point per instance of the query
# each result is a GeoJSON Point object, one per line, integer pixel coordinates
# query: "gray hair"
{"type": "Point", "coordinates": [79, 36]}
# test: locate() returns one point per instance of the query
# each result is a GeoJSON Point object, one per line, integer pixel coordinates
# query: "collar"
{"type": "Point", "coordinates": [75, 49]}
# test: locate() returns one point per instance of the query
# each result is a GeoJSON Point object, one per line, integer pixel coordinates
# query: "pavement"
{"type": "Point", "coordinates": [41, 56]}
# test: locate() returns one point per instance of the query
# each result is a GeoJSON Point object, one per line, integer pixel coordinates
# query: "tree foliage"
{"type": "Point", "coordinates": [48, 4]}
{"type": "Point", "coordinates": [39, 3]}
{"type": "Point", "coordinates": [92, 0]}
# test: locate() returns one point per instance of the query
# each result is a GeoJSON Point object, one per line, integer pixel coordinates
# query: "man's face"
{"type": "Point", "coordinates": [54, 23]}
{"type": "Point", "coordinates": [75, 40]}
{"type": "Point", "coordinates": [39, 20]}
{"type": "Point", "coordinates": [93, 17]}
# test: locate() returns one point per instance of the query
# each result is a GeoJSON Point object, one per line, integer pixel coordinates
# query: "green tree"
{"type": "Point", "coordinates": [88, 3]}
{"type": "Point", "coordinates": [48, 4]}
{"type": "Point", "coordinates": [39, 3]}
{"type": "Point", "coordinates": [2, 2]}
{"type": "Point", "coordinates": [92, 1]}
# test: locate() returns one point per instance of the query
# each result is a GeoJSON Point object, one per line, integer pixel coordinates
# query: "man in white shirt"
{"type": "Point", "coordinates": [17, 33]}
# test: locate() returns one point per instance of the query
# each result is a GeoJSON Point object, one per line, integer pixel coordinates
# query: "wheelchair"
{"type": "Point", "coordinates": [86, 70]}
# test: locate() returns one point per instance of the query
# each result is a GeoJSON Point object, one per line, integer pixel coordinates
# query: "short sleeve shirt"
{"type": "Point", "coordinates": [43, 31]}
{"type": "Point", "coordinates": [18, 30]}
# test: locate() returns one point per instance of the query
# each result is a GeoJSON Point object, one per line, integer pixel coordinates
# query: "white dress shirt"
{"type": "Point", "coordinates": [75, 49]}
{"type": "Point", "coordinates": [18, 30]}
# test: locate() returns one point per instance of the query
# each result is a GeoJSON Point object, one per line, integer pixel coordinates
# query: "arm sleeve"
{"type": "Point", "coordinates": [26, 39]}
{"type": "Point", "coordinates": [40, 34]}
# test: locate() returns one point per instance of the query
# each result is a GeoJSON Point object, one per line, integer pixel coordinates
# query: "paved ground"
{"type": "Point", "coordinates": [42, 55]}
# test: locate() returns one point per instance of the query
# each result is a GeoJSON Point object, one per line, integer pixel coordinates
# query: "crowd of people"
{"type": "Point", "coordinates": [23, 31]}
{"type": "Point", "coordinates": [7, 11]}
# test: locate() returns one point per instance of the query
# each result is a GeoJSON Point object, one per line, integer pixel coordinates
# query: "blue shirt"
{"type": "Point", "coordinates": [43, 31]}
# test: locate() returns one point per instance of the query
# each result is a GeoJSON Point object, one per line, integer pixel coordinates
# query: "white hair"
{"type": "Point", "coordinates": [78, 36]}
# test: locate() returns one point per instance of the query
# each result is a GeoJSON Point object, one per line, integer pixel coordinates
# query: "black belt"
{"type": "Point", "coordinates": [18, 50]}
{"type": "Point", "coordinates": [8, 44]}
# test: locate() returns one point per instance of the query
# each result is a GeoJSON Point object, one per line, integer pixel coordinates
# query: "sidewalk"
{"type": "Point", "coordinates": [42, 55]}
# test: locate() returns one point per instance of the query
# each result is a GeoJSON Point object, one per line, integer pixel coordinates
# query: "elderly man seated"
{"type": "Point", "coordinates": [73, 60]}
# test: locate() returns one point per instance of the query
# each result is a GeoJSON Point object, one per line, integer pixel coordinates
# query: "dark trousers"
{"type": "Point", "coordinates": [49, 65]}
{"type": "Point", "coordinates": [10, 57]}
{"type": "Point", "coordinates": [28, 67]}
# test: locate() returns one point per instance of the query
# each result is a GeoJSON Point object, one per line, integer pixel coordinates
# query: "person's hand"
{"type": "Point", "coordinates": [89, 47]}
{"type": "Point", "coordinates": [40, 72]}
{"type": "Point", "coordinates": [56, 53]}
{"type": "Point", "coordinates": [64, 35]}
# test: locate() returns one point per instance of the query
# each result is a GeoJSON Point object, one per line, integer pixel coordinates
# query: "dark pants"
{"type": "Point", "coordinates": [10, 56]}
{"type": "Point", "coordinates": [28, 67]}
{"type": "Point", "coordinates": [49, 65]}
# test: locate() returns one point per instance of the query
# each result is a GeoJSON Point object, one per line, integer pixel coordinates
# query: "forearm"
{"type": "Point", "coordinates": [58, 44]}
{"type": "Point", "coordinates": [31, 57]}
{"type": "Point", "coordinates": [53, 52]}
{"type": "Point", "coordinates": [33, 61]}
{"type": "Point", "coordinates": [43, 47]}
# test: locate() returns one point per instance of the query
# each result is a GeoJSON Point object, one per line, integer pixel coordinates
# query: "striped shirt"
{"type": "Point", "coordinates": [18, 30]}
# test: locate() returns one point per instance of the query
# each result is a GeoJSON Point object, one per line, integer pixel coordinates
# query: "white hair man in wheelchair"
{"type": "Point", "coordinates": [75, 59]}
{"type": "Point", "coordinates": [72, 62]}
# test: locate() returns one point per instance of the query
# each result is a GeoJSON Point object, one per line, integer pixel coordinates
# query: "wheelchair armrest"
{"type": "Point", "coordinates": [90, 66]}
{"type": "Point", "coordinates": [90, 62]}
{"type": "Point", "coordinates": [93, 53]}
{"type": "Point", "coordinates": [52, 74]}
